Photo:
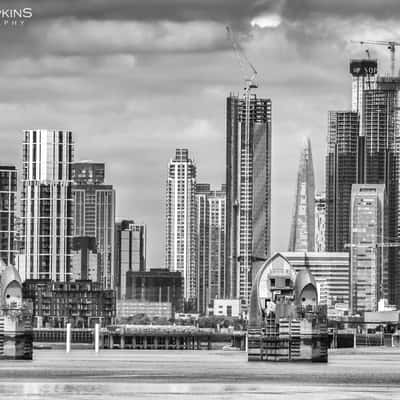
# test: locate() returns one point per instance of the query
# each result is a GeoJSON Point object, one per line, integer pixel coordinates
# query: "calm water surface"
{"type": "Point", "coordinates": [113, 374]}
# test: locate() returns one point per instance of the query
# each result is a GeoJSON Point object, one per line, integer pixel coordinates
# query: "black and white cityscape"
{"type": "Point", "coordinates": [188, 186]}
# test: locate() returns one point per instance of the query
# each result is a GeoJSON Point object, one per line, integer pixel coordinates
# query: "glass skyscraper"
{"type": "Point", "coordinates": [369, 274]}
{"type": "Point", "coordinates": [302, 234]}
{"type": "Point", "coordinates": [363, 147]}
{"type": "Point", "coordinates": [94, 215]}
{"type": "Point", "coordinates": [342, 169]}
{"type": "Point", "coordinates": [248, 192]}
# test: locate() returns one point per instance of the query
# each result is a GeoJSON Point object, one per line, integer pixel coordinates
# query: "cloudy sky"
{"type": "Point", "coordinates": [134, 79]}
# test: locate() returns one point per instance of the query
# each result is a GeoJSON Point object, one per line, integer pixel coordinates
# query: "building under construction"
{"type": "Point", "coordinates": [248, 191]}
{"type": "Point", "coordinates": [286, 323]}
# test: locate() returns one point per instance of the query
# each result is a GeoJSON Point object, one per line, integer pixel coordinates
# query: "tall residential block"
{"type": "Point", "coordinates": [320, 221]}
{"type": "Point", "coordinates": [248, 192]}
{"type": "Point", "coordinates": [211, 208]}
{"type": "Point", "coordinates": [303, 223]}
{"type": "Point", "coordinates": [369, 268]}
{"type": "Point", "coordinates": [180, 229]}
{"type": "Point", "coordinates": [8, 200]}
{"type": "Point", "coordinates": [130, 252]}
{"type": "Point", "coordinates": [46, 205]}
{"type": "Point", "coordinates": [94, 215]}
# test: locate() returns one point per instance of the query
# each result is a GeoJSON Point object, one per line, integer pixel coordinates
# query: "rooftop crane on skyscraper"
{"type": "Point", "coordinates": [246, 65]}
{"type": "Point", "coordinates": [391, 46]}
{"type": "Point", "coordinates": [244, 61]}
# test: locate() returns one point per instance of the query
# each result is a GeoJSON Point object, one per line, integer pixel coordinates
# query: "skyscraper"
{"type": "Point", "coordinates": [180, 234]}
{"type": "Point", "coordinates": [370, 156]}
{"type": "Point", "coordinates": [94, 215]}
{"type": "Point", "coordinates": [342, 169]}
{"type": "Point", "coordinates": [8, 197]}
{"type": "Point", "coordinates": [130, 253]}
{"type": "Point", "coordinates": [303, 223]}
{"type": "Point", "coordinates": [320, 221]}
{"type": "Point", "coordinates": [203, 244]}
{"type": "Point", "coordinates": [211, 205]}
{"type": "Point", "coordinates": [248, 192]}
{"type": "Point", "coordinates": [46, 205]}
{"type": "Point", "coordinates": [346, 163]}
{"type": "Point", "coordinates": [368, 260]}
{"type": "Point", "coordinates": [381, 132]}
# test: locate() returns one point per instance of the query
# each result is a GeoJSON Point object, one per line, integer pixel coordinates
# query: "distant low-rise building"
{"type": "Point", "coordinates": [130, 308]}
{"type": "Point", "coordinates": [226, 308]}
{"type": "Point", "coordinates": [156, 285]}
{"type": "Point", "coordinates": [81, 303]}
{"type": "Point", "coordinates": [130, 252]}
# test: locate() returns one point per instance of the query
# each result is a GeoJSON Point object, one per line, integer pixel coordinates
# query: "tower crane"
{"type": "Point", "coordinates": [391, 46]}
{"type": "Point", "coordinates": [244, 61]}
{"type": "Point", "coordinates": [247, 67]}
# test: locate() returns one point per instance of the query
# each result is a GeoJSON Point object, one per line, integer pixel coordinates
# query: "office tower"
{"type": "Point", "coordinates": [332, 273]}
{"type": "Point", "coordinates": [210, 246]}
{"type": "Point", "coordinates": [84, 258]}
{"type": "Point", "coordinates": [368, 275]}
{"type": "Point", "coordinates": [382, 162]}
{"type": "Point", "coordinates": [342, 168]}
{"type": "Point", "coordinates": [46, 205]}
{"type": "Point", "coordinates": [346, 163]}
{"type": "Point", "coordinates": [8, 197]}
{"type": "Point", "coordinates": [303, 223]}
{"type": "Point", "coordinates": [130, 252]}
{"type": "Point", "coordinates": [180, 235]}
{"type": "Point", "coordinates": [94, 215]}
{"type": "Point", "coordinates": [320, 218]}
{"type": "Point", "coordinates": [248, 192]}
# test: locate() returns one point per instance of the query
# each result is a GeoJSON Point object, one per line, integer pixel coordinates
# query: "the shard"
{"type": "Point", "coordinates": [302, 234]}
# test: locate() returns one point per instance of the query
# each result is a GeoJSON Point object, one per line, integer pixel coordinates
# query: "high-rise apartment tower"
{"type": "Point", "coordinates": [180, 234]}
{"type": "Point", "coordinates": [46, 205]}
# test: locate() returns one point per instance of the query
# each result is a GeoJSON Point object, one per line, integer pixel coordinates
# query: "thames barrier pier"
{"type": "Point", "coordinates": [15, 317]}
{"type": "Point", "coordinates": [285, 321]}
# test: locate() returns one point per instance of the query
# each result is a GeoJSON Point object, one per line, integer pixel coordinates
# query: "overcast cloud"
{"type": "Point", "coordinates": [135, 79]}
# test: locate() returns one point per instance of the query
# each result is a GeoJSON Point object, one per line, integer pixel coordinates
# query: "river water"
{"type": "Point", "coordinates": [366, 373]}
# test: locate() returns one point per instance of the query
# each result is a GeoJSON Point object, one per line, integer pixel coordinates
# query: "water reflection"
{"type": "Point", "coordinates": [119, 390]}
